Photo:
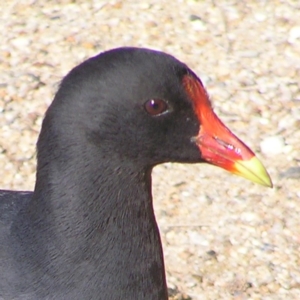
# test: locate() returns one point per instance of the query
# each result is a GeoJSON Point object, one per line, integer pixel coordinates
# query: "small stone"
{"type": "Point", "coordinates": [249, 217]}
{"type": "Point", "coordinates": [293, 172]}
{"type": "Point", "coordinates": [195, 18]}
{"type": "Point", "coordinates": [260, 17]}
{"type": "Point", "coordinates": [20, 42]}
{"type": "Point", "coordinates": [212, 253]}
{"type": "Point", "coordinates": [272, 145]}
{"type": "Point", "coordinates": [198, 239]}
{"type": "Point", "coordinates": [294, 34]}
{"type": "Point", "coordinates": [198, 25]}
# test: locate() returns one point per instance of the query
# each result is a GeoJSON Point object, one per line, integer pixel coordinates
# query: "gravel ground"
{"type": "Point", "coordinates": [224, 237]}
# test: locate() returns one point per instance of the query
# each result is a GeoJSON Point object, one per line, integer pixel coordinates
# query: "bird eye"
{"type": "Point", "coordinates": [155, 107]}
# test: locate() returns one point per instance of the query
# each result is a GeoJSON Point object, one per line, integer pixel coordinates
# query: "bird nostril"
{"type": "Point", "coordinates": [224, 144]}
{"type": "Point", "coordinates": [228, 146]}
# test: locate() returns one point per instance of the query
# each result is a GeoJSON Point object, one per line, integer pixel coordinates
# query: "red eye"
{"type": "Point", "coordinates": [155, 107]}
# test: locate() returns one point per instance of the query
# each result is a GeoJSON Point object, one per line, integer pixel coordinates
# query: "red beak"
{"type": "Point", "coordinates": [218, 145]}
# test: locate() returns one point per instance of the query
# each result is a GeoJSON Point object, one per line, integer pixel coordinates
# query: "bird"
{"type": "Point", "coordinates": [88, 229]}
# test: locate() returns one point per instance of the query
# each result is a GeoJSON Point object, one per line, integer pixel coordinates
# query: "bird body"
{"type": "Point", "coordinates": [88, 230]}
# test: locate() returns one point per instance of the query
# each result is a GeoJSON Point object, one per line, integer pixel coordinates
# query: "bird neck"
{"type": "Point", "coordinates": [99, 224]}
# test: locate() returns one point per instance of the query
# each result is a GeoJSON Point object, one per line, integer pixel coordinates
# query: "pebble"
{"type": "Point", "coordinates": [272, 145]}
{"type": "Point", "coordinates": [260, 17]}
{"type": "Point", "coordinates": [294, 35]}
{"type": "Point", "coordinates": [293, 172]}
{"type": "Point", "coordinates": [20, 42]}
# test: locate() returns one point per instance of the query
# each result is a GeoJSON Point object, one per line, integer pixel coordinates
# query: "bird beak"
{"type": "Point", "coordinates": [218, 145]}
{"type": "Point", "coordinates": [231, 154]}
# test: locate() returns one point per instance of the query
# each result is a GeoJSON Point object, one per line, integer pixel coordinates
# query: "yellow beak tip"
{"type": "Point", "coordinates": [254, 171]}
